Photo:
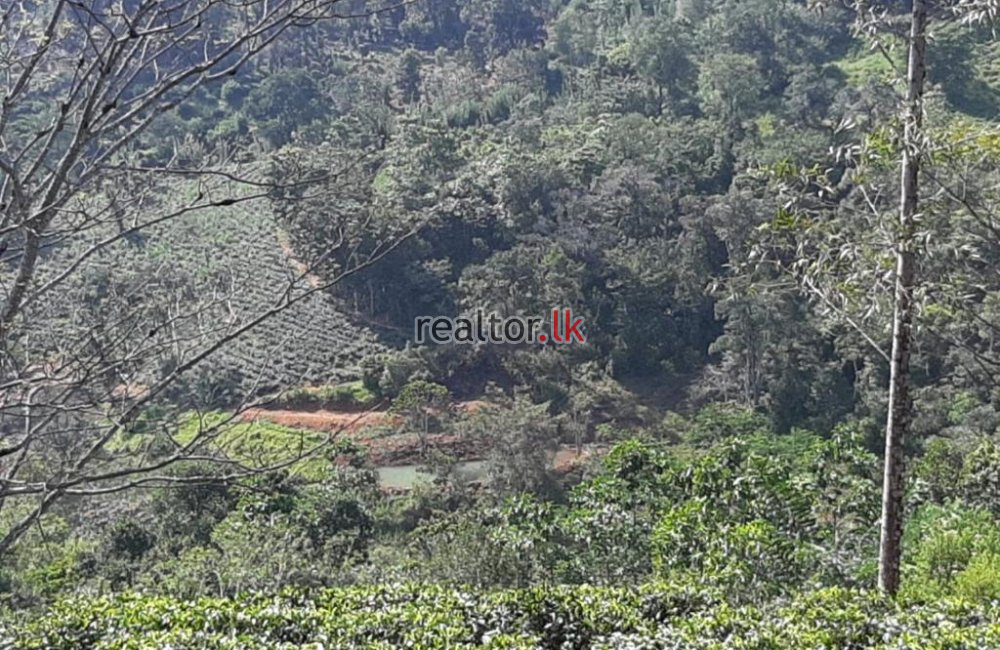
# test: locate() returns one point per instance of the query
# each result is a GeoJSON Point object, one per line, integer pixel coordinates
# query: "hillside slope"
{"type": "Point", "coordinates": [200, 276]}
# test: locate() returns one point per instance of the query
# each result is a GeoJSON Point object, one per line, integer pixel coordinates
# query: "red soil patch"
{"type": "Point", "coordinates": [568, 458]}
{"type": "Point", "coordinates": [342, 421]}
{"type": "Point", "coordinates": [403, 448]}
{"type": "Point", "coordinates": [296, 264]}
{"type": "Point", "coordinates": [396, 449]}
{"type": "Point", "coordinates": [472, 406]}
{"type": "Point", "coordinates": [325, 421]}
{"type": "Point", "coordinates": [129, 391]}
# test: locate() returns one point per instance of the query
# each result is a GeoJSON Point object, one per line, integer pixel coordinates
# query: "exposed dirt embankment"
{"type": "Point", "coordinates": [325, 421]}
{"type": "Point", "coordinates": [390, 449]}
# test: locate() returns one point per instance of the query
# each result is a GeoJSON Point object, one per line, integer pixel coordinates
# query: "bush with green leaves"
{"type": "Point", "coordinates": [980, 478]}
{"type": "Point", "coordinates": [349, 396]}
{"type": "Point", "coordinates": [264, 533]}
{"type": "Point", "coordinates": [752, 559]}
{"type": "Point", "coordinates": [756, 520]}
{"type": "Point", "coordinates": [432, 617]}
{"type": "Point", "coordinates": [953, 550]}
{"type": "Point", "coordinates": [520, 437]}
{"type": "Point", "coordinates": [422, 403]}
{"type": "Point", "coordinates": [50, 562]}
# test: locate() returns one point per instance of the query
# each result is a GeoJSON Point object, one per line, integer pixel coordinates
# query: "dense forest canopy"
{"type": "Point", "coordinates": [219, 222]}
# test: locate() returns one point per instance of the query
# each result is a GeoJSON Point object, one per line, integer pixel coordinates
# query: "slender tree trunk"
{"type": "Point", "coordinates": [898, 420]}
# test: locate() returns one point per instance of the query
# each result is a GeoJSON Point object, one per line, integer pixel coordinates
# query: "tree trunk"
{"type": "Point", "coordinates": [898, 420]}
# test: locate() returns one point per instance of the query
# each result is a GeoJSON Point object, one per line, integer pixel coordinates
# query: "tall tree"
{"type": "Point", "coordinates": [841, 258]}
{"type": "Point", "coordinates": [900, 407]}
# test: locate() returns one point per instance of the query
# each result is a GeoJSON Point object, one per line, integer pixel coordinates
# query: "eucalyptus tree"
{"type": "Point", "coordinates": [900, 408]}
{"type": "Point", "coordinates": [886, 278]}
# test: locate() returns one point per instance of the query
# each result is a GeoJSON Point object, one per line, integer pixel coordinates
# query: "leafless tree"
{"type": "Point", "coordinates": [81, 83]}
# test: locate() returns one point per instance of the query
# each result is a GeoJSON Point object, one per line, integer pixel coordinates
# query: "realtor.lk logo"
{"type": "Point", "coordinates": [493, 328]}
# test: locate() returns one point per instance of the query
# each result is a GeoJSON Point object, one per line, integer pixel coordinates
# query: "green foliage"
{"type": "Point", "coordinates": [980, 478]}
{"type": "Point", "coordinates": [422, 402]}
{"type": "Point", "coordinates": [752, 520]}
{"type": "Point", "coordinates": [519, 156]}
{"type": "Point", "coordinates": [408, 76]}
{"type": "Point", "coordinates": [521, 437]}
{"type": "Point", "coordinates": [256, 443]}
{"type": "Point", "coordinates": [953, 551]}
{"type": "Point", "coordinates": [751, 559]}
{"type": "Point", "coordinates": [127, 543]}
{"type": "Point", "coordinates": [282, 104]}
{"type": "Point", "coordinates": [427, 616]}
{"type": "Point", "coordinates": [349, 396]}
{"type": "Point", "coordinates": [52, 561]}
{"type": "Point", "coordinates": [719, 421]}
{"type": "Point", "coordinates": [730, 85]}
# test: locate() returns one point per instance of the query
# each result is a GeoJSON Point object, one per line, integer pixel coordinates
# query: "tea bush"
{"type": "Point", "coordinates": [431, 616]}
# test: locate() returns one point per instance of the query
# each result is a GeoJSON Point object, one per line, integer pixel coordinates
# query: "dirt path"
{"type": "Point", "coordinates": [343, 421]}
{"type": "Point", "coordinates": [286, 247]}
{"type": "Point", "coordinates": [324, 421]}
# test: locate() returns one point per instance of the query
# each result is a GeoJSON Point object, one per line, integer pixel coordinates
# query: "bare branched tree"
{"type": "Point", "coordinates": [101, 346]}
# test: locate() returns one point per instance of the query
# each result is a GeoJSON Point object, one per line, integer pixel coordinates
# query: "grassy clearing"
{"type": "Point", "coordinates": [864, 66]}
{"type": "Point", "coordinates": [348, 396]}
{"type": "Point", "coordinates": [258, 444]}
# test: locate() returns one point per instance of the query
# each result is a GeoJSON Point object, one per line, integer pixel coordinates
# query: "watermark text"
{"type": "Point", "coordinates": [492, 328]}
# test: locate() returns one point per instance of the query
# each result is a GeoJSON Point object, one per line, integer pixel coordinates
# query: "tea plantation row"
{"type": "Point", "coordinates": [412, 616]}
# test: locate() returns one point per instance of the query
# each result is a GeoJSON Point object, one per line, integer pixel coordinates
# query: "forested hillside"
{"type": "Point", "coordinates": [220, 221]}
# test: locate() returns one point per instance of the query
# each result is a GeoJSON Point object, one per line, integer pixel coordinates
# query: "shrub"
{"type": "Point", "coordinates": [953, 550]}
{"type": "Point", "coordinates": [719, 421]}
{"type": "Point", "coordinates": [350, 396]}
{"type": "Point", "coordinates": [980, 482]}
{"type": "Point", "coordinates": [430, 616]}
